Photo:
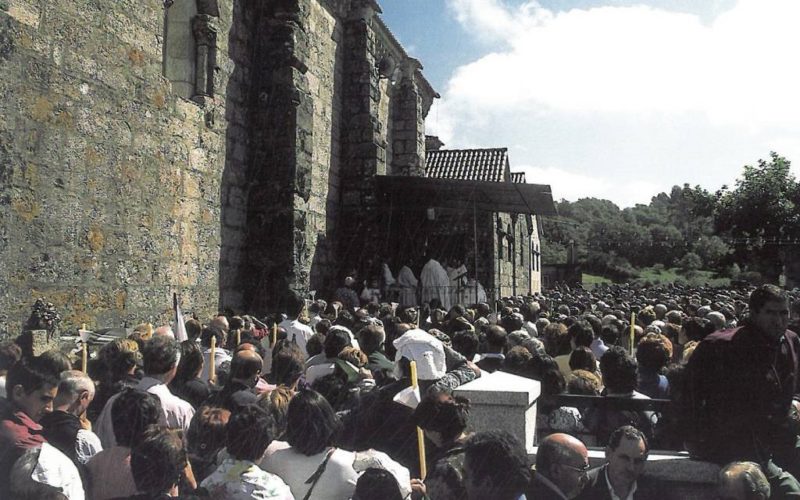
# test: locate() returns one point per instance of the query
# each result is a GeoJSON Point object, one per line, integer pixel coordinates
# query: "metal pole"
{"type": "Point", "coordinates": [475, 242]}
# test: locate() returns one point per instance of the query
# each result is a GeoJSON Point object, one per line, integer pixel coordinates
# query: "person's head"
{"type": "Point", "coordinates": [214, 332]}
{"type": "Point", "coordinates": [288, 365]}
{"type": "Point", "coordinates": [158, 461]}
{"type": "Point", "coordinates": [371, 338]}
{"type": "Point", "coordinates": [120, 357]}
{"type": "Point", "coordinates": [769, 310]}
{"type": "Point", "coordinates": [495, 466]}
{"type": "Point", "coordinates": [619, 371]}
{"type": "Point", "coordinates": [220, 322]}
{"type": "Point", "coordinates": [626, 454]}
{"type": "Point", "coordinates": [377, 484]}
{"type": "Point", "coordinates": [742, 481]}
{"type": "Point", "coordinates": [206, 434]}
{"type": "Point", "coordinates": [248, 433]}
{"type": "Point", "coordinates": [75, 392]}
{"type": "Point", "coordinates": [164, 331]}
{"type": "Point", "coordinates": [609, 333]}
{"type": "Point", "coordinates": [276, 403]}
{"type": "Point", "coordinates": [132, 413]}
{"type": "Point", "coordinates": [193, 329]}
{"type": "Point", "coordinates": [512, 322]}
{"type": "Point", "coordinates": [246, 367]}
{"type": "Point", "coordinates": [563, 460]}
{"type": "Point", "coordinates": [315, 344]}
{"type": "Point", "coordinates": [582, 358]}
{"type": "Point", "coordinates": [21, 482]}
{"type": "Point", "coordinates": [556, 339]}
{"type": "Point", "coordinates": [652, 353]}
{"type": "Point", "coordinates": [717, 319]}
{"type": "Point", "coordinates": [496, 338]}
{"type": "Point", "coordinates": [294, 304]}
{"type": "Point", "coordinates": [191, 363]}
{"type": "Point", "coordinates": [581, 334]}
{"type": "Point", "coordinates": [584, 382]}
{"type": "Point", "coordinates": [10, 353]}
{"type": "Point", "coordinates": [236, 323]}
{"type": "Point", "coordinates": [31, 385]}
{"type": "Point", "coordinates": [518, 362]}
{"type": "Point", "coordinates": [355, 357]}
{"type": "Point", "coordinates": [161, 355]}
{"type": "Point", "coordinates": [545, 369]}
{"type": "Point", "coordinates": [466, 343]}
{"type": "Point", "coordinates": [442, 417]}
{"type": "Point", "coordinates": [695, 329]}
{"type": "Point", "coordinates": [336, 340]}
{"type": "Point", "coordinates": [56, 361]}
{"type": "Point", "coordinates": [312, 426]}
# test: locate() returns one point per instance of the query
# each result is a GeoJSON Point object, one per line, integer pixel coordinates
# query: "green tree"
{"type": "Point", "coordinates": [690, 262]}
{"type": "Point", "coordinates": [761, 212]}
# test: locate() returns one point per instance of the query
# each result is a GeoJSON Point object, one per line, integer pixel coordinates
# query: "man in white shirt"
{"type": "Point", "coordinates": [161, 356]}
{"type": "Point", "coordinates": [296, 331]}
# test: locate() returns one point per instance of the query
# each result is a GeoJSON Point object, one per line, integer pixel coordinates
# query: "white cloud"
{"type": "Point", "coordinates": [573, 186]}
{"type": "Point", "coordinates": [552, 72]}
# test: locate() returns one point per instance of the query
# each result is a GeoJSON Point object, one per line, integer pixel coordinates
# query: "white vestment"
{"type": "Point", "coordinates": [435, 284]}
{"type": "Point", "coordinates": [408, 287]}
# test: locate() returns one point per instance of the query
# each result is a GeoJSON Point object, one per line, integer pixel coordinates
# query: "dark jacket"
{"type": "Point", "coordinates": [739, 390]}
{"type": "Point", "coordinates": [194, 391]}
{"type": "Point", "coordinates": [61, 430]}
{"type": "Point", "coordinates": [539, 490]}
{"type": "Point", "coordinates": [382, 369]}
{"type": "Point", "coordinates": [233, 396]}
{"type": "Point", "coordinates": [490, 364]}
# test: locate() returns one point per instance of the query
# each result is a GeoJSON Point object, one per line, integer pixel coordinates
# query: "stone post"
{"type": "Point", "coordinates": [363, 149]}
{"type": "Point", "coordinates": [503, 401]}
{"type": "Point", "coordinates": [408, 136]}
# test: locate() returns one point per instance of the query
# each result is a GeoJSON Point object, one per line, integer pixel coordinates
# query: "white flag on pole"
{"type": "Point", "coordinates": [408, 397]}
{"type": "Point", "coordinates": [180, 326]}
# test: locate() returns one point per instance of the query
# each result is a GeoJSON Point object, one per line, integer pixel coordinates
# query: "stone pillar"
{"type": "Point", "coordinates": [408, 135]}
{"type": "Point", "coordinates": [205, 28]}
{"type": "Point", "coordinates": [279, 172]}
{"type": "Point", "coordinates": [363, 149]}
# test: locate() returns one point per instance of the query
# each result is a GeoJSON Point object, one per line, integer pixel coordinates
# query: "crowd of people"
{"type": "Point", "coordinates": [313, 404]}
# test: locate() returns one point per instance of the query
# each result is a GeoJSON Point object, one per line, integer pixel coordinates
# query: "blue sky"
{"type": "Point", "coordinates": [610, 98]}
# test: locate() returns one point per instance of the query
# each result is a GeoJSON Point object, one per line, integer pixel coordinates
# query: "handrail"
{"type": "Point", "coordinates": [606, 402]}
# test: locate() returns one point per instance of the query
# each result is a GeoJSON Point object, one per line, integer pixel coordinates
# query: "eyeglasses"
{"type": "Point", "coordinates": [583, 469]}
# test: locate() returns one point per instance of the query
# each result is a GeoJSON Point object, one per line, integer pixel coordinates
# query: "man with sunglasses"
{"type": "Point", "coordinates": [562, 462]}
{"type": "Point", "coordinates": [626, 455]}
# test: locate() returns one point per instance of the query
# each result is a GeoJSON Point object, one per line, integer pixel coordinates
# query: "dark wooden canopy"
{"type": "Point", "coordinates": [421, 193]}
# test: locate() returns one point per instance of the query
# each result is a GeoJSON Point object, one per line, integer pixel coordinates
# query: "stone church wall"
{"type": "Point", "coordinates": [109, 175]}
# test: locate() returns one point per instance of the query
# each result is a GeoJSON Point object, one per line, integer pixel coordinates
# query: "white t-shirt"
{"type": "Point", "coordinates": [337, 482]}
{"type": "Point", "coordinates": [87, 445]}
{"type": "Point", "coordinates": [297, 331]}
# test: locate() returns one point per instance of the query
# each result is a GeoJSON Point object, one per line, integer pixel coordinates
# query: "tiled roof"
{"type": "Point", "coordinates": [468, 164]}
{"type": "Point", "coordinates": [518, 177]}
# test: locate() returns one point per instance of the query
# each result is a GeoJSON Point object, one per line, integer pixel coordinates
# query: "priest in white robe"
{"type": "Point", "coordinates": [408, 287]}
{"type": "Point", "coordinates": [435, 284]}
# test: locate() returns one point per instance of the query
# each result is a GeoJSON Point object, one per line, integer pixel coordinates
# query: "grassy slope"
{"type": "Point", "coordinates": [671, 275]}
